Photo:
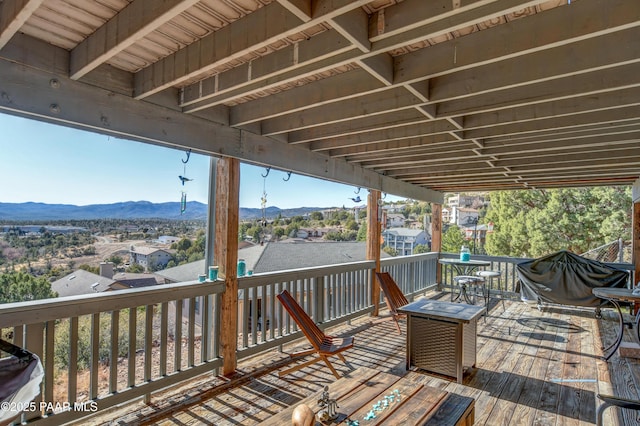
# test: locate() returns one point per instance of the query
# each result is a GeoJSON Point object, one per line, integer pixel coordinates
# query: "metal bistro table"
{"type": "Point", "coordinates": [615, 296]}
{"type": "Point", "coordinates": [464, 269]}
{"type": "Point", "coordinates": [441, 336]}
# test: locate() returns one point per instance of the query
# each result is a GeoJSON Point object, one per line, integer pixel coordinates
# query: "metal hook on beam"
{"type": "Point", "coordinates": [188, 155]}
{"type": "Point", "coordinates": [288, 177]}
{"type": "Point", "coordinates": [267, 174]}
{"type": "Point", "coordinates": [358, 191]}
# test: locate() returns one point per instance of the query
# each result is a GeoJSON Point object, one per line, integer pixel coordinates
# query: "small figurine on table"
{"type": "Point", "coordinates": [329, 406]}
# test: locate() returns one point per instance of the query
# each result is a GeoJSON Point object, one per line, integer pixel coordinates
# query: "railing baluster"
{"type": "Point", "coordinates": [205, 328]}
{"type": "Point", "coordinates": [95, 355]}
{"type": "Point", "coordinates": [49, 358]}
{"type": "Point", "coordinates": [73, 360]}
{"type": "Point", "coordinates": [148, 348]}
{"type": "Point", "coordinates": [191, 339]}
{"type": "Point", "coordinates": [177, 339]}
{"type": "Point", "coordinates": [131, 357]}
{"type": "Point", "coordinates": [34, 343]}
{"type": "Point", "coordinates": [164, 335]}
{"type": "Point", "coordinates": [114, 352]}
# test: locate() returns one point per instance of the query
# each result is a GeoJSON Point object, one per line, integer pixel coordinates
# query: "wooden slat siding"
{"type": "Point", "coordinates": [148, 347]}
{"type": "Point", "coordinates": [49, 360]}
{"type": "Point", "coordinates": [177, 348]}
{"type": "Point", "coordinates": [113, 351]}
{"type": "Point", "coordinates": [73, 360]}
{"type": "Point", "coordinates": [226, 254]}
{"type": "Point", "coordinates": [191, 333]}
{"type": "Point", "coordinates": [131, 351]}
{"type": "Point", "coordinates": [95, 355]}
{"type": "Point", "coordinates": [164, 337]}
{"type": "Point", "coordinates": [373, 241]}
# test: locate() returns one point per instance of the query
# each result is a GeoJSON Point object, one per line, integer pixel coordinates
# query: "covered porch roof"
{"type": "Point", "coordinates": [413, 98]}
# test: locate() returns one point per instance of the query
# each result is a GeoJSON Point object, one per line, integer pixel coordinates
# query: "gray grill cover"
{"type": "Point", "coordinates": [567, 279]}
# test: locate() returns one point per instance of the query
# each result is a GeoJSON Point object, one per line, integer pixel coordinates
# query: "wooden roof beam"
{"type": "Point", "coordinates": [13, 14]}
{"type": "Point", "coordinates": [131, 24]}
{"type": "Point", "coordinates": [206, 93]}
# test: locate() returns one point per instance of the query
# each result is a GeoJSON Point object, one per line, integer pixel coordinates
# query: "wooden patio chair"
{"type": "Point", "coordinates": [392, 295]}
{"type": "Point", "coordinates": [325, 346]}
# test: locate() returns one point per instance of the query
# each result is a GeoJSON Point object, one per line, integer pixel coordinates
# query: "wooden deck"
{"type": "Point", "coordinates": [533, 368]}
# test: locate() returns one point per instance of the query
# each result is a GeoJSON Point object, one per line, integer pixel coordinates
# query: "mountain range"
{"type": "Point", "coordinates": [130, 210]}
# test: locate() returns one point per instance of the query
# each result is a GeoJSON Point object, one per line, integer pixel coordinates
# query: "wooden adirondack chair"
{"type": "Point", "coordinates": [325, 346]}
{"type": "Point", "coordinates": [392, 295]}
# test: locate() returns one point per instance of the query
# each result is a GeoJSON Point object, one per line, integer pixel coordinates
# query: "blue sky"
{"type": "Point", "coordinates": [54, 164]}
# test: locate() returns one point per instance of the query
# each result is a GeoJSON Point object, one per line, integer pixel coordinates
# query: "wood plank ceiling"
{"type": "Point", "coordinates": [442, 95]}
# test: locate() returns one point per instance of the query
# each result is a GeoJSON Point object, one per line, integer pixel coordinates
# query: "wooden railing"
{"type": "Point", "coordinates": [110, 348]}
{"type": "Point", "coordinates": [115, 347]}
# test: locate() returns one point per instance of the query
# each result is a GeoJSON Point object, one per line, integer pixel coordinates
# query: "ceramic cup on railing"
{"type": "Point", "coordinates": [213, 273]}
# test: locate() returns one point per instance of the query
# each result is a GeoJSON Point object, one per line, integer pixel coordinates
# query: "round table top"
{"type": "Point", "coordinates": [471, 262]}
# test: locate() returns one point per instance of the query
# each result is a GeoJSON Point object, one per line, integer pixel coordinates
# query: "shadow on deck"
{"type": "Point", "coordinates": [533, 367]}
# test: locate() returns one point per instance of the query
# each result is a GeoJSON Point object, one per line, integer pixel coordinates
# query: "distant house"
{"type": "Point", "coordinates": [466, 217]}
{"type": "Point", "coordinates": [149, 257]}
{"type": "Point", "coordinates": [83, 282]}
{"type": "Point", "coordinates": [395, 220]}
{"type": "Point", "coordinates": [446, 215]}
{"type": "Point", "coordinates": [167, 239]}
{"type": "Point", "coordinates": [404, 240]}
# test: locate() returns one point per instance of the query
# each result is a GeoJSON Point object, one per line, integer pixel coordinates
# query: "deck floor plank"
{"type": "Point", "coordinates": [534, 367]}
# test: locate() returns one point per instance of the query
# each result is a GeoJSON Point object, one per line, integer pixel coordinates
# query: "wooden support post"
{"type": "Point", "coordinates": [373, 243]}
{"type": "Point", "coordinates": [436, 235]}
{"type": "Point", "coordinates": [226, 255]}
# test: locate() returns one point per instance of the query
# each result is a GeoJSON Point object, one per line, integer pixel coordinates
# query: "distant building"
{"type": "Point", "coordinates": [395, 220]}
{"type": "Point", "coordinates": [167, 239]}
{"type": "Point", "coordinates": [83, 282]}
{"type": "Point", "coordinates": [404, 240]}
{"type": "Point", "coordinates": [465, 201]}
{"type": "Point", "coordinates": [465, 217]}
{"type": "Point", "coordinates": [149, 257]}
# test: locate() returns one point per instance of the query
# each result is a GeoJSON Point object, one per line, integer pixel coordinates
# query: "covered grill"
{"type": "Point", "coordinates": [567, 279]}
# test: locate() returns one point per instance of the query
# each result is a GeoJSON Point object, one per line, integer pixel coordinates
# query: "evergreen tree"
{"type": "Point", "coordinates": [452, 240]}
{"type": "Point", "coordinates": [538, 222]}
{"type": "Point", "coordinates": [20, 287]}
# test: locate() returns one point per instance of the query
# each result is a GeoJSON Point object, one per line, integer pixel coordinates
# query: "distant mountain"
{"type": "Point", "coordinates": [130, 210]}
